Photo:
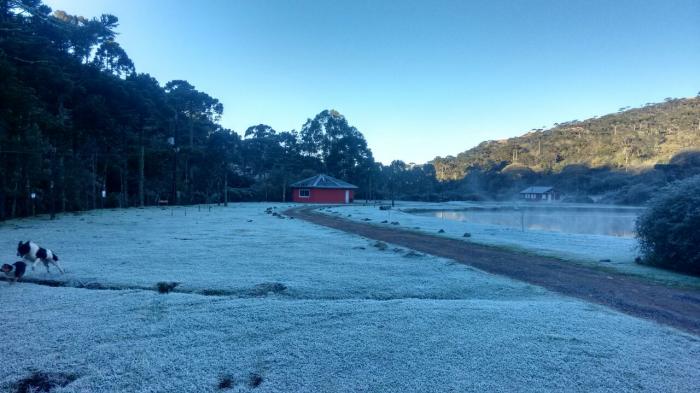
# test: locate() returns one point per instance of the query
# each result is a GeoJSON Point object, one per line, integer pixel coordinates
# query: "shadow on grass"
{"type": "Point", "coordinates": [43, 382]}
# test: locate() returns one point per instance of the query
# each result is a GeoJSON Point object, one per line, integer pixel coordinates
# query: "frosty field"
{"type": "Point", "coordinates": [280, 305]}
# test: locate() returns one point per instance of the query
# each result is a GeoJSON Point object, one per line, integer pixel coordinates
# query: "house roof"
{"type": "Point", "coordinates": [537, 190]}
{"type": "Point", "coordinates": [322, 181]}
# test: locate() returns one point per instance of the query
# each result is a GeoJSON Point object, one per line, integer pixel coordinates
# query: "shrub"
{"type": "Point", "coordinates": [266, 288]}
{"type": "Point", "coordinates": [380, 245]}
{"type": "Point", "coordinates": [254, 380]}
{"type": "Point", "coordinates": [636, 194]}
{"type": "Point", "coordinates": [166, 287]}
{"type": "Point", "coordinates": [669, 231]}
{"type": "Point", "coordinates": [225, 382]}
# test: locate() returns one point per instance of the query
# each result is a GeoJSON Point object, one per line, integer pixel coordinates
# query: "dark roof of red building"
{"type": "Point", "coordinates": [322, 181]}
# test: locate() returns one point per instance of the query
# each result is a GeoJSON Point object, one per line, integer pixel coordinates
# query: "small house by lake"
{"type": "Point", "coordinates": [323, 189]}
{"type": "Point", "coordinates": [537, 194]}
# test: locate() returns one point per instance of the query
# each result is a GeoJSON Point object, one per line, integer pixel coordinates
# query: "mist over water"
{"type": "Point", "coordinates": [582, 220]}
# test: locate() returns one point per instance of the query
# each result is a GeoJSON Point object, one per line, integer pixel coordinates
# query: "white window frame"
{"type": "Point", "coordinates": [307, 192]}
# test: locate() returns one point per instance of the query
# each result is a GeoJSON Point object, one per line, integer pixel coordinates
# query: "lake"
{"type": "Point", "coordinates": [609, 221]}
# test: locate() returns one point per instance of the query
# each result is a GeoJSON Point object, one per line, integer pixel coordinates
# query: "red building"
{"type": "Point", "coordinates": [322, 189]}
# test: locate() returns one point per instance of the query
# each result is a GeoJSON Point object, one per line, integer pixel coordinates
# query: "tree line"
{"type": "Point", "coordinates": [81, 129]}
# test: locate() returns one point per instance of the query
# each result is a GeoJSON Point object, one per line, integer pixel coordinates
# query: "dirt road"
{"type": "Point", "coordinates": [667, 305]}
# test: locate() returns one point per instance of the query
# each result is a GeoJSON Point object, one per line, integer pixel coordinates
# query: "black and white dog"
{"type": "Point", "coordinates": [15, 271]}
{"type": "Point", "coordinates": [31, 252]}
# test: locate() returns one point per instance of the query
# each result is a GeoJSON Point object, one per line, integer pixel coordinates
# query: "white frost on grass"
{"type": "Point", "coordinates": [351, 319]}
{"type": "Point", "coordinates": [221, 250]}
{"type": "Point", "coordinates": [608, 252]}
{"type": "Point", "coordinates": [140, 341]}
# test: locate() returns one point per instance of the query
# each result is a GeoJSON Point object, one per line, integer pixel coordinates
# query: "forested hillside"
{"type": "Point", "coordinates": [81, 129]}
{"type": "Point", "coordinates": [630, 139]}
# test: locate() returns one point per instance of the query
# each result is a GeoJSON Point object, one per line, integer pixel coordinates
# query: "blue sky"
{"type": "Point", "coordinates": [417, 78]}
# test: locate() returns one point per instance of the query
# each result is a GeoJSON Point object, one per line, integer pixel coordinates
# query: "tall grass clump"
{"type": "Point", "coordinates": [669, 231]}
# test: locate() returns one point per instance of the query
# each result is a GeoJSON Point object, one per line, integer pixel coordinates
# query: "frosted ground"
{"type": "Point", "coordinates": [305, 308]}
{"type": "Point", "coordinates": [605, 252]}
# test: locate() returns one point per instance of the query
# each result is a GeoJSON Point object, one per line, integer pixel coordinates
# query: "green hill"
{"type": "Point", "coordinates": [630, 139]}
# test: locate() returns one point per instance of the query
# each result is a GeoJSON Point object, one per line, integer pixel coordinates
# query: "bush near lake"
{"type": "Point", "coordinates": [669, 231]}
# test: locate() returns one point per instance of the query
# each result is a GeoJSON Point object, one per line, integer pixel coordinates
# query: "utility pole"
{"type": "Point", "coordinates": [174, 179]}
{"type": "Point", "coordinates": [142, 164]}
{"type": "Point", "coordinates": [172, 141]}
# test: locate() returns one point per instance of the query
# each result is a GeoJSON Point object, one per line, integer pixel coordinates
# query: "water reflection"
{"type": "Point", "coordinates": [596, 221]}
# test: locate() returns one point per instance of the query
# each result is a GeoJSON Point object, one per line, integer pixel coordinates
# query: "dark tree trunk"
{"type": "Point", "coordinates": [225, 189]}
{"type": "Point", "coordinates": [62, 176]}
{"type": "Point", "coordinates": [2, 190]}
{"type": "Point", "coordinates": [173, 191]}
{"type": "Point", "coordinates": [93, 181]}
{"type": "Point", "coordinates": [104, 184]}
{"type": "Point", "coordinates": [188, 182]}
{"type": "Point", "coordinates": [52, 202]}
{"type": "Point", "coordinates": [125, 182]}
{"type": "Point", "coordinates": [121, 188]}
{"type": "Point", "coordinates": [13, 211]}
{"type": "Point", "coordinates": [284, 189]}
{"type": "Point", "coordinates": [27, 196]}
{"type": "Point", "coordinates": [191, 135]}
{"type": "Point", "coordinates": [52, 189]}
{"type": "Point", "coordinates": [142, 159]}
{"type": "Point", "coordinates": [3, 174]}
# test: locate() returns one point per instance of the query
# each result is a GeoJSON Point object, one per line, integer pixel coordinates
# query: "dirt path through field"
{"type": "Point", "coordinates": [671, 306]}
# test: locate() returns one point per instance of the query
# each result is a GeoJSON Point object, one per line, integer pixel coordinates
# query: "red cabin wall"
{"type": "Point", "coordinates": [323, 195]}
